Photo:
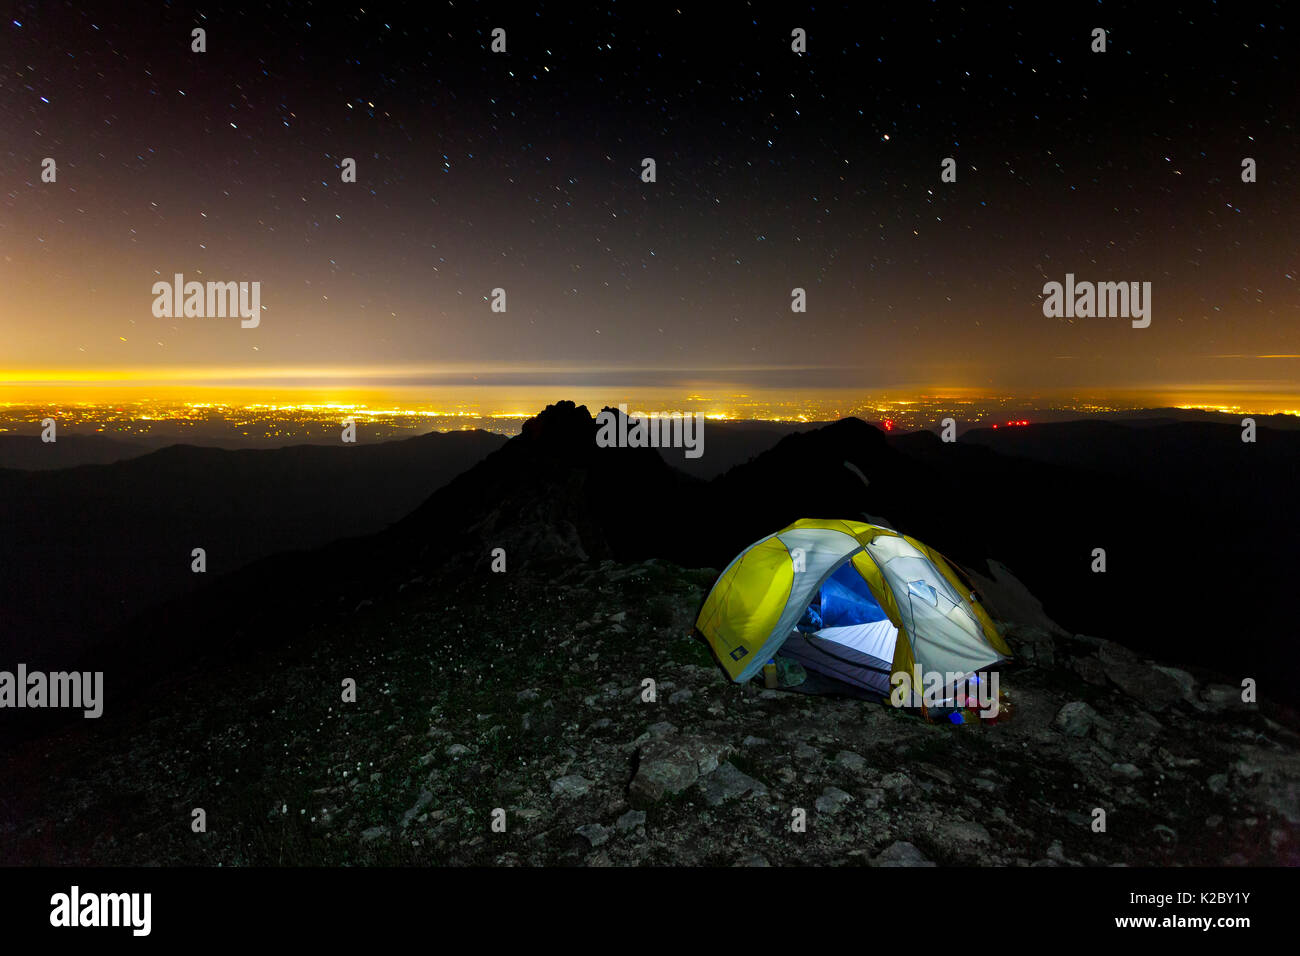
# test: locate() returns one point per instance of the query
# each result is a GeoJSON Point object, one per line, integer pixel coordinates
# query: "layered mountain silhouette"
{"type": "Point", "coordinates": [30, 453]}
{"type": "Point", "coordinates": [1038, 500]}
{"type": "Point", "coordinates": [1194, 522]}
{"type": "Point", "coordinates": [732, 443]}
{"type": "Point", "coordinates": [85, 548]}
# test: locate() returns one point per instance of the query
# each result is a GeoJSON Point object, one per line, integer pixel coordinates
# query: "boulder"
{"type": "Point", "coordinates": [1185, 681]}
{"type": "Point", "coordinates": [594, 833]}
{"type": "Point", "coordinates": [833, 800]}
{"type": "Point", "coordinates": [630, 820]}
{"type": "Point", "coordinates": [1090, 669]}
{"type": "Point", "coordinates": [570, 786]}
{"type": "Point", "coordinates": [901, 853]}
{"type": "Point", "coordinates": [729, 783]}
{"type": "Point", "coordinates": [1220, 697]}
{"type": "Point", "coordinates": [963, 835]}
{"type": "Point", "coordinates": [1153, 688]}
{"type": "Point", "coordinates": [1077, 718]}
{"type": "Point", "coordinates": [670, 765]}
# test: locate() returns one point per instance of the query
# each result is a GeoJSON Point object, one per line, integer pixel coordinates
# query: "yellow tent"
{"type": "Point", "coordinates": [854, 601]}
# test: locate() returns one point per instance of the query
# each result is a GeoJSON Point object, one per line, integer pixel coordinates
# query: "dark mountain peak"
{"type": "Point", "coordinates": [847, 469]}
{"type": "Point", "coordinates": [562, 426]}
{"type": "Point", "coordinates": [844, 430]}
{"type": "Point", "coordinates": [853, 426]}
{"type": "Point", "coordinates": [852, 437]}
{"type": "Point", "coordinates": [553, 494]}
{"type": "Point", "coordinates": [821, 454]}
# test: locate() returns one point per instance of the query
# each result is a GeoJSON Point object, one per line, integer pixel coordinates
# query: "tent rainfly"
{"type": "Point", "coordinates": [854, 602]}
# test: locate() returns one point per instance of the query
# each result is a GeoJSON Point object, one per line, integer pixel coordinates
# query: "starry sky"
{"type": "Point", "coordinates": [775, 170]}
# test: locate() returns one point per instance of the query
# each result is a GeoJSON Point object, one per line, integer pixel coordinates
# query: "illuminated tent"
{"type": "Point", "coordinates": [852, 602]}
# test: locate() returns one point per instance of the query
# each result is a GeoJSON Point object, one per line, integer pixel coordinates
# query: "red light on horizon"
{"type": "Point", "coordinates": [889, 424]}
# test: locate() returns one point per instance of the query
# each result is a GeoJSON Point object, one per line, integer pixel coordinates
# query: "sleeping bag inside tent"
{"type": "Point", "coordinates": [853, 603]}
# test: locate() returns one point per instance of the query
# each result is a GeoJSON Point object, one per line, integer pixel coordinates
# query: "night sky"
{"type": "Point", "coordinates": [775, 170]}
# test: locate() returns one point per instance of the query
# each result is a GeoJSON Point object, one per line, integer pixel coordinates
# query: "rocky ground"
{"type": "Point", "coordinates": [523, 692]}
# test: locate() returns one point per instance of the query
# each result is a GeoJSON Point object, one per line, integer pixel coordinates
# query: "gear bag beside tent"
{"type": "Point", "coordinates": [852, 602]}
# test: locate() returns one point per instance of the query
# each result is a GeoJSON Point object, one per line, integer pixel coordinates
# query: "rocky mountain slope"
{"type": "Point", "coordinates": [517, 697]}
{"type": "Point", "coordinates": [523, 692]}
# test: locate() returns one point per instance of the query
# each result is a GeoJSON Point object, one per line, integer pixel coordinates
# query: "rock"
{"type": "Point", "coordinates": [901, 853]}
{"type": "Point", "coordinates": [964, 833]}
{"type": "Point", "coordinates": [1144, 726]}
{"type": "Point", "coordinates": [873, 798]}
{"type": "Point", "coordinates": [854, 763]}
{"type": "Point", "coordinates": [1171, 759]}
{"type": "Point", "coordinates": [1077, 718]}
{"type": "Point", "coordinates": [680, 697]}
{"type": "Point", "coordinates": [896, 781]}
{"type": "Point", "coordinates": [833, 800]}
{"type": "Point", "coordinates": [670, 766]}
{"type": "Point", "coordinates": [1108, 652]}
{"type": "Point", "coordinates": [1126, 770]}
{"type": "Point", "coordinates": [1276, 779]}
{"type": "Point", "coordinates": [423, 800]}
{"type": "Point", "coordinates": [754, 860]}
{"type": "Point", "coordinates": [373, 834]}
{"type": "Point", "coordinates": [572, 785]}
{"type": "Point", "coordinates": [1185, 681]}
{"type": "Point", "coordinates": [630, 820]}
{"type": "Point", "coordinates": [728, 783]}
{"type": "Point", "coordinates": [1155, 689]}
{"type": "Point", "coordinates": [529, 694]}
{"type": "Point", "coordinates": [595, 833]}
{"type": "Point", "coordinates": [1218, 783]}
{"type": "Point", "coordinates": [457, 750]}
{"type": "Point", "coordinates": [1056, 855]}
{"type": "Point", "coordinates": [1033, 644]}
{"type": "Point", "coordinates": [934, 773]}
{"type": "Point", "coordinates": [1220, 697]}
{"type": "Point", "coordinates": [1090, 669]}
{"type": "Point", "coordinates": [805, 753]}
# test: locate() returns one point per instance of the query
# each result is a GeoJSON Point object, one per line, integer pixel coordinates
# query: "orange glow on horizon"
{"type": "Point", "coordinates": [381, 390]}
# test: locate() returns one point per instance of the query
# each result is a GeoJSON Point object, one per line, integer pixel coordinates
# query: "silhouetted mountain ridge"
{"type": "Point", "coordinates": [30, 453]}
{"type": "Point", "coordinates": [86, 547]}
{"type": "Point", "coordinates": [551, 498]}
{"type": "Point", "coordinates": [553, 494]}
